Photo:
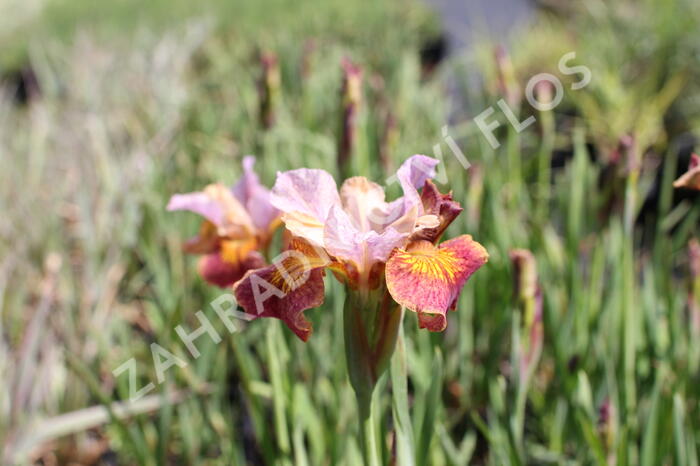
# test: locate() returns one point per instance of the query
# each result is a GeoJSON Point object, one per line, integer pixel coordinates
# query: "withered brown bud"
{"type": "Point", "coordinates": [606, 425]}
{"type": "Point", "coordinates": [268, 88]}
{"type": "Point", "coordinates": [525, 273]}
{"type": "Point", "coordinates": [351, 99]}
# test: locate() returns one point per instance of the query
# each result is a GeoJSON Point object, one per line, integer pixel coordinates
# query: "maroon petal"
{"type": "Point", "coordinates": [440, 205]}
{"type": "Point", "coordinates": [217, 271]}
{"type": "Point", "coordinates": [285, 289]}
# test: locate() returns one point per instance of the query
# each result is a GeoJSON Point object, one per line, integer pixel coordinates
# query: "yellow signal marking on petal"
{"type": "Point", "coordinates": [235, 251]}
{"type": "Point", "coordinates": [427, 279]}
{"type": "Point", "coordinates": [423, 258]}
{"type": "Point", "coordinates": [442, 265]}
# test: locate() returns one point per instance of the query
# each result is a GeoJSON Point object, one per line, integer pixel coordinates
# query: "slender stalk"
{"type": "Point", "coordinates": [368, 437]}
{"type": "Point", "coordinates": [405, 446]}
{"type": "Point", "coordinates": [544, 168]}
{"type": "Point", "coordinates": [281, 428]}
{"type": "Point", "coordinates": [629, 299]}
{"type": "Point", "coordinates": [631, 202]}
{"type": "Point", "coordinates": [514, 160]}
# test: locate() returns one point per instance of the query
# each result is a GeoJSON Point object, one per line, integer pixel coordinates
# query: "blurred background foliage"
{"type": "Point", "coordinates": [106, 109]}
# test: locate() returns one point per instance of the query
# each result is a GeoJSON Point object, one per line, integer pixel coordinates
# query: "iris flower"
{"type": "Point", "coordinates": [238, 224]}
{"type": "Point", "coordinates": [386, 253]}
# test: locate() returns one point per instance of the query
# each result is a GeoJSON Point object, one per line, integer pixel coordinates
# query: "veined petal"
{"type": "Point", "coordinates": [380, 245]}
{"type": "Point", "coordinates": [428, 279]}
{"type": "Point", "coordinates": [285, 289]}
{"type": "Point", "coordinates": [220, 272]}
{"type": "Point", "coordinates": [691, 178]}
{"type": "Point", "coordinates": [344, 241]}
{"type": "Point", "coordinates": [254, 196]}
{"type": "Point", "coordinates": [310, 192]}
{"type": "Point", "coordinates": [341, 238]}
{"type": "Point", "coordinates": [363, 200]}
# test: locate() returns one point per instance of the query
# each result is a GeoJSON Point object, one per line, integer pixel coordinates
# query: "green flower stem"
{"type": "Point", "coordinates": [544, 171]}
{"type": "Point", "coordinates": [371, 322]}
{"type": "Point", "coordinates": [405, 445]}
{"type": "Point", "coordinates": [279, 397]}
{"type": "Point", "coordinates": [629, 298]}
{"type": "Point", "coordinates": [368, 436]}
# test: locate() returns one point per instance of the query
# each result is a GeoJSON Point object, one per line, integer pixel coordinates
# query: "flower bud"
{"type": "Point", "coordinates": [506, 82]}
{"type": "Point", "coordinates": [525, 274]}
{"type": "Point", "coordinates": [351, 96]}
{"type": "Point", "coordinates": [606, 428]}
{"type": "Point", "coordinates": [529, 298]}
{"type": "Point", "coordinates": [268, 88]}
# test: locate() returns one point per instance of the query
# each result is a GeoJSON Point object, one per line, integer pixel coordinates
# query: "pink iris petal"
{"type": "Point", "coordinates": [344, 241]}
{"type": "Point", "coordinates": [381, 245]}
{"type": "Point", "coordinates": [217, 204]}
{"type": "Point", "coordinates": [357, 226]}
{"type": "Point", "coordinates": [341, 238]}
{"type": "Point", "coordinates": [412, 175]}
{"type": "Point", "coordinates": [199, 203]}
{"type": "Point", "coordinates": [254, 196]}
{"type": "Point", "coordinates": [364, 201]}
{"type": "Point", "coordinates": [249, 182]}
{"type": "Point", "coordinates": [305, 196]}
{"type": "Point", "coordinates": [310, 191]}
